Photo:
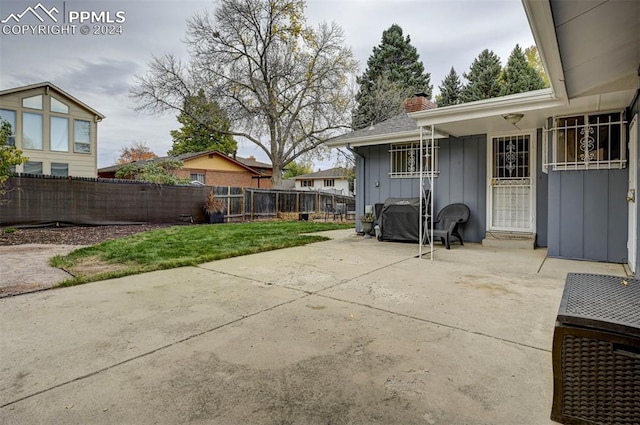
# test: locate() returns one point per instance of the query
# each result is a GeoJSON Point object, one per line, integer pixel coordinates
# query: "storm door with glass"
{"type": "Point", "coordinates": [510, 187]}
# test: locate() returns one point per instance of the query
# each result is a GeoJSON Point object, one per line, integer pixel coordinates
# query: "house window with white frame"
{"type": "Point", "coordinates": [59, 132]}
{"type": "Point", "coordinates": [306, 183]}
{"type": "Point", "coordinates": [32, 131]}
{"type": "Point", "coordinates": [81, 136]}
{"type": "Point", "coordinates": [405, 159]}
{"type": "Point", "coordinates": [198, 177]}
{"type": "Point", "coordinates": [589, 141]}
{"type": "Point", "coordinates": [59, 169]}
{"type": "Point", "coordinates": [33, 167]}
{"type": "Point", "coordinates": [329, 182]}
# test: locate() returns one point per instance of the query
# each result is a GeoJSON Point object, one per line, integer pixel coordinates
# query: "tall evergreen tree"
{"type": "Point", "coordinates": [203, 126]}
{"type": "Point", "coordinates": [394, 70]}
{"type": "Point", "coordinates": [518, 75]}
{"type": "Point", "coordinates": [483, 77]}
{"type": "Point", "coordinates": [450, 90]}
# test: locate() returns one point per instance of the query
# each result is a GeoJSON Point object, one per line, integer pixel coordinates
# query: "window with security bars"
{"type": "Point", "coordinates": [405, 160]}
{"type": "Point", "coordinates": [511, 157]}
{"type": "Point", "coordinates": [590, 141]}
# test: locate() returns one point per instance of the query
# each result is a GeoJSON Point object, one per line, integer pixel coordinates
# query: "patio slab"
{"type": "Point", "coordinates": [347, 331]}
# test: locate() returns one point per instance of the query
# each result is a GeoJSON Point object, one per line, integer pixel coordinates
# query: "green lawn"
{"type": "Point", "coordinates": [184, 246]}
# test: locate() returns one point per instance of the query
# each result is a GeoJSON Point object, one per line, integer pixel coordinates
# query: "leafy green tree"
{"type": "Point", "coordinates": [450, 90]}
{"type": "Point", "coordinates": [518, 75]}
{"type": "Point", "coordinates": [533, 57]}
{"type": "Point", "coordinates": [161, 172]}
{"type": "Point", "coordinates": [394, 72]}
{"type": "Point", "coordinates": [283, 84]}
{"type": "Point", "coordinates": [483, 78]}
{"type": "Point", "coordinates": [10, 156]}
{"type": "Point", "coordinates": [137, 151]}
{"type": "Point", "coordinates": [205, 127]}
{"type": "Point", "coordinates": [297, 169]}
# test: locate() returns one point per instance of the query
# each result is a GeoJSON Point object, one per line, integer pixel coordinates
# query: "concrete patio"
{"type": "Point", "coordinates": [347, 331]}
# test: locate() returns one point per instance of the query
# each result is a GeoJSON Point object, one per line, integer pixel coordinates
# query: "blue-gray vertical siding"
{"type": "Point", "coordinates": [588, 215]}
{"type": "Point", "coordinates": [463, 178]}
{"type": "Point", "coordinates": [462, 163]}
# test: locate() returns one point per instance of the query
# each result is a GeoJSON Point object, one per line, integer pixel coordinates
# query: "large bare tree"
{"type": "Point", "coordinates": [285, 85]}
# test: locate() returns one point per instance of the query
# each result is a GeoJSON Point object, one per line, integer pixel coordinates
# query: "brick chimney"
{"type": "Point", "coordinates": [419, 102]}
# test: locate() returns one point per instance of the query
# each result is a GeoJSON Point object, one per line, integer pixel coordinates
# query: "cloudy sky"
{"type": "Point", "coordinates": [99, 69]}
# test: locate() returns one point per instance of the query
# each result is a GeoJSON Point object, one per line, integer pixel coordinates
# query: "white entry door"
{"type": "Point", "coordinates": [511, 184]}
{"type": "Point", "coordinates": [632, 241]}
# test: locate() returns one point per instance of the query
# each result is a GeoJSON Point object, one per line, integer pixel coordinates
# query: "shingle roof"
{"type": "Point", "coordinates": [401, 123]}
{"type": "Point", "coordinates": [251, 162]}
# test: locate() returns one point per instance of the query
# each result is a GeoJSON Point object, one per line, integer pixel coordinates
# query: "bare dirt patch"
{"type": "Point", "coordinates": [92, 266]}
{"type": "Point", "coordinates": [71, 235]}
{"type": "Point", "coordinates": [25, 254]}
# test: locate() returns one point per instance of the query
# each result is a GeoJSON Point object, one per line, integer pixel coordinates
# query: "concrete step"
{"type": "Point", "coordinates": [509, 240]}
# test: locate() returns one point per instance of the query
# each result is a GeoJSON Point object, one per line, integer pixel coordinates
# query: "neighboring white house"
{"type": "Point", "coordinates": [334, 180]}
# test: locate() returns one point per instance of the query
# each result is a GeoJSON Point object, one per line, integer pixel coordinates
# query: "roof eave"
{"type": "Point", "coordinates": [380, 139]}
{"type": "Point", "coordinates": [543, 29]}
{"type": "Point", "coordinates": [521, 102]}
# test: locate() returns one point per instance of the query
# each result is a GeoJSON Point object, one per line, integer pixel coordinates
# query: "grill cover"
{"type": "Point", "coordinates": [399, 219]}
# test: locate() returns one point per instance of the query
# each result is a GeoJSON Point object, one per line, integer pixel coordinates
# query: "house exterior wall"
{"type": "Point", "coordinates": [79, 164]}
{"type": "Point", "coordinates": [226, 178]}
{"type": "Point", "coordinates": [318, 184]}
{"type": "Point", "coordinates": [220, 171]}
{"type": "Point", "coordinates": [462, 163]}
{"type": "Point", "coordinates": [588, 215]}
{"type": "Point", "coordinates": [463, 178]}
{"type": "Point", "coordinates": [212, 162]}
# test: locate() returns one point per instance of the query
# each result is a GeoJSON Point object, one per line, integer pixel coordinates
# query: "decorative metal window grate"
{"type": "Point", "coordinates": [590, 141]}
{"type": "Point", "coordinates": [511, 157]}
{"type": "Point", "coordinates": [405, 159]}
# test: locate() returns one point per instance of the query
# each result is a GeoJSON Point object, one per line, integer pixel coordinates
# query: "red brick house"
{"type": "Point", "coordinates": [214, 168]}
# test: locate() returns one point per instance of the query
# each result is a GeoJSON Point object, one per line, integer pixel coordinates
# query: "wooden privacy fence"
{"type": "Point", "coordinates": [45, 200]}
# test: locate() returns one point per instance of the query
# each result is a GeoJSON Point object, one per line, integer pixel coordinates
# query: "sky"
{"type": "Point", "coordinates": [99, 69]}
